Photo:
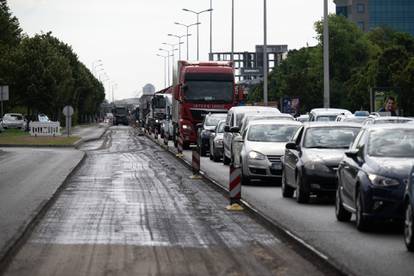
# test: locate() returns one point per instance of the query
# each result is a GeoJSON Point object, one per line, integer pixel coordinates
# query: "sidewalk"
{"type": "Point", "coordinates": [31, 176]}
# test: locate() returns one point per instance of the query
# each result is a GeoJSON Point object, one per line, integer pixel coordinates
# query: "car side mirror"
{"type": "Point", "coordinates": [352, 153]}
{"type": "Point", "coordinates": [235, 129]}
{"type": "Point", "coordinates": [199, 125]}
{"type": "Point", "coordinates": [291, 146]}
{"type": "Point", "coordinates": [226, 128]}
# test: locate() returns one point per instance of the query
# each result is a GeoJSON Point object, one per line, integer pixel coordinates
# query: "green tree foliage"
{"type": "Point", "coordinates": [44, 74]}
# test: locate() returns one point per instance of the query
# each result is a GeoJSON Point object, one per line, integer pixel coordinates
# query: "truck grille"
{"type": "Point", "coordinates": [199, 114]}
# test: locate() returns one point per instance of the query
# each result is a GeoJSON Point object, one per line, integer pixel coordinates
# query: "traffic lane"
{"type": "Point", "coordinates": [29, 177]}
{"type": "Point", "coordinates": [132, 209]}
{"type": "Point", "coordinates": [374, 253]}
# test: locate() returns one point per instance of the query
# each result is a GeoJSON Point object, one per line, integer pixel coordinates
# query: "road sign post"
{"type": "Point", "coordinates": [68, 112]}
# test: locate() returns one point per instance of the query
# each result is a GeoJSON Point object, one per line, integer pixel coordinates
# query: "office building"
{"type": "Point", "coordinates": [369, 14]}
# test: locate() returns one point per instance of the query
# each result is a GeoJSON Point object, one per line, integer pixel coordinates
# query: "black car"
{"type": "Point", "coordinates": [409, 214]}
{"type": "Point", "coordinates": [205, 129]}
{"type": "Point", "coordinates": [312, 158]}
{"type": "Point", "coordinates": [373, 175]}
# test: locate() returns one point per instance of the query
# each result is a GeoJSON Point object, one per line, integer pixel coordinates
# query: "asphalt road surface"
{"type": "Point", "coordinates": [28, 178]}
{"type": "Point", "coordinates": [131, 209]}
{"type": "Point", "coordinates": [379, 252]}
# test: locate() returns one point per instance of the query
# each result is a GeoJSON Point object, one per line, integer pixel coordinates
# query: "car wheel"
{"type": "Point", "coordinates": [302, 190]}
{"type": "Point", "coordinates": [287, 191]}
{"type": "Point", "coordinates": [226, 161]}
{"type": "Point", "coordinates": [362, 222]}
{"type": "Point", "coordinates": [186, 145]}
{"type": "Point", "coordinates": [341, 213]}
{"type": "Point", "coordinates": [409, 227]}
{"type": "Point", "coordinates": [203, 151]}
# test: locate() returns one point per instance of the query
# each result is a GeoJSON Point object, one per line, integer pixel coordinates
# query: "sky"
{"type": "Point", "coordinates": [125, 35]}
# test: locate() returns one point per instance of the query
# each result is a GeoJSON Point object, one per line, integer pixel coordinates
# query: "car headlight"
{"type": "Point", "coordinates": [256, 155]}
{"type": "Point", "coordinates": [219, 142]}
{"type": "Point", "coordinates": [186, 127]}
{"type": "Point", "coordinates": [156, 121]}
{"type": "Point", "coordinates": [382, 181]}
{"type": "Point", "coordinates": [316, 165]}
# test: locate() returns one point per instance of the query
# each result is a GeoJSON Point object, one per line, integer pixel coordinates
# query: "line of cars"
{"type": "Point", "coordinates": [365, 162]}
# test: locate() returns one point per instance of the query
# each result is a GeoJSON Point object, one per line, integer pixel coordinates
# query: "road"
{"type": "Point", "coordinates": [132, 209]}
{"type": "Point", "coordinates": [28, 178]}
{"type": "Point", "coordinates": [381, 252]}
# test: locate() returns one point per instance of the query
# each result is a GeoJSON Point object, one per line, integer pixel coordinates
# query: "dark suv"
{"type": "Point", "coordinates": [205, 129]}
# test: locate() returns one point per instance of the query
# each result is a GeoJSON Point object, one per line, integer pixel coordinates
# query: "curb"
{"type": "Point", "coordinates": [14, 244]}
{"type": "Point", "coordinates": [308, 251]}
{"type": "Point", "coordinates": [78, 143]}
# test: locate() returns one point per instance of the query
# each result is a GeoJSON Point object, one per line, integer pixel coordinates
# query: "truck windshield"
{"type": "Point", "coordinates": [159, 102]}
{"type": "Point", "coordinates": [209, 91]}
{"type": "Point", "coordinates": [120, 111]}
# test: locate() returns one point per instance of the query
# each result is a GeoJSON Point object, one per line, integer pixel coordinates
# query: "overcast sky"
{"type": "Point", "coordinates": [126, 34]}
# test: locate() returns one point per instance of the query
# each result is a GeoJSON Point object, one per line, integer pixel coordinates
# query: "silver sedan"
{"type": "Point", "coordinates": [263, 147]}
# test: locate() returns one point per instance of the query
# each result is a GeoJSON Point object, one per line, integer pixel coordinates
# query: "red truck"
{"type": "Point", "coordinates": [200, 88]}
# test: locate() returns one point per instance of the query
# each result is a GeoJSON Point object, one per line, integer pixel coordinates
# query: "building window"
{"type": "Point", "coordinates": [360, 8]}
{"type": "Point", "coordinates": [361, 25]}
{"type": "Point", "coordinates": [342, 11]}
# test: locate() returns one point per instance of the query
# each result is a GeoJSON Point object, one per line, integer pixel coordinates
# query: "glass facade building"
{"type": "Point", "coordinates": [369, 14]}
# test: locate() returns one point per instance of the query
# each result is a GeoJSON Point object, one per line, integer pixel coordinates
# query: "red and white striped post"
{"type": "Point", "coordinates": [235, 189]}
{"type": "Point", "coordinates": [195, 164]}
{"type": "Point", "coordinates": [179, 146]}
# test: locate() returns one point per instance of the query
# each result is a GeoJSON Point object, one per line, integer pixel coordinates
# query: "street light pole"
{"type": "Point", "coordinates": [326, 84]}
{"type": "Point", "coordinates": [210, 56]}
{"type": "Point", "coordinates": [232, 33]}
{"type": "Point", "coordinates": [187, 27]}
{"type": "Point", "coordinates": [172, 45]}
{"type": "Point", "coordinates": [168, 62]}
{"type": "Point", "coordinates": [165, 68]}
{"type": "Point", "coordinates": [198, 23]}
{"type": "Point", "coordinates": [179, 43]}
{"type": "Point", "coordinates": [265, 69]}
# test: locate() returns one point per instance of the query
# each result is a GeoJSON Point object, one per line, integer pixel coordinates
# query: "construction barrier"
{"type": "Point", "coordinates": [235, 189]}
{"type": "Point", "coordinates": [180, 146]}
{"type": "Point", "coordinates": [195, 164]}
{"type": "Point", "coordinates": [44, 128]}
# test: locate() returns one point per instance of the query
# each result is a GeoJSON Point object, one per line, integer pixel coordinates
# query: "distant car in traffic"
{"type": "Point", "coordinates": [351, 119]}
{"type": "Point", "coordinates": [374, 120]}
{"type": "Point", "coordinates": [13, 120]}
{"type": "Point", "coordinates": [303, 118]}
{"type": "Point", "coordinates": [326, 114]}
{"type": "Point", "coordinates": [312, 157]}
{"type": "Point", "coordinates": [373, 175]}
{"type": "Point", "coordinates": [43, 118]}
{"type": "Point", "coordinates": [263, 146]}
{"type": "Point", "coordinates": [216, 142]}
{"type": "Point", "coordinates": [206, 128]}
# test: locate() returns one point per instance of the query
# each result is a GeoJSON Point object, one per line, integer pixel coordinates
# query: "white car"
{"type": "Point", "coordinates": [13, 120]}
{"type": "Point", "coordinates": [263, 147]}
{"type": "Point", "coordinates": [326, 114]}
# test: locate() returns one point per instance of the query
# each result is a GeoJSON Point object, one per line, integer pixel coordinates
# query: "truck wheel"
{"type": "Point", "coordinates": [203, 151]}
{"type": "Point", "coordinates": [226, 161]}
{"type": "Point", "coordinates": [186, 145]}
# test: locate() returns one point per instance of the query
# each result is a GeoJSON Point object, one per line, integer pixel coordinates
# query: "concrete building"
{"type": "Point", "coordinates": [369, 14]}
{"type": "Point", "coordinates": [249, 65]}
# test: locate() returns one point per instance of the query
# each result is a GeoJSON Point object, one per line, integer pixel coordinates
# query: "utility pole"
{"type": "Point", "coordinates": [326, 88]}
{"type": "Point", "coordinates": [265, 70]}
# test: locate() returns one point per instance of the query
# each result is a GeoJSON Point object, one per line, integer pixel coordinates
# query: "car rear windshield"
{"type": "Point", "coordinates": [330, 137]}
{"type": "Point", "coordinates": [214, 120]}
{"type": "Point", "coordinates": [326, 118]}
{"type": "Point", "coordinates": [391, 143]}
{"type": "Point", "coordinates": [271, 133]}
{"type": "Point", "coordinates": [14, 117]}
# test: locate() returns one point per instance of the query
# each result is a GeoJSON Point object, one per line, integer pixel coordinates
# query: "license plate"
{"type": "Point", "coordinates": [276, 166]}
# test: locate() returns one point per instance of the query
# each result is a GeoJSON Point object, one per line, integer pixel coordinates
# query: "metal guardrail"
{"type": "Point", "coordinates": [44, 128]}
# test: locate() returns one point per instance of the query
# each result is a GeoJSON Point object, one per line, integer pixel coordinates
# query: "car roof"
{"type": "Point", "coordinates": [217, 114]}
{"type": "Point", "coordinates": [249, 108]}
{"type": "Point", "coordinates": [394, 118]}
{"type": "Point", "coordinates": [275, 122]}
{"type": "Point", "coordinates": [389, 126]}
{"type": "Point", "coordinates": [329, 111]}
{"type": "Point", "coordinates": [331, 124]}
